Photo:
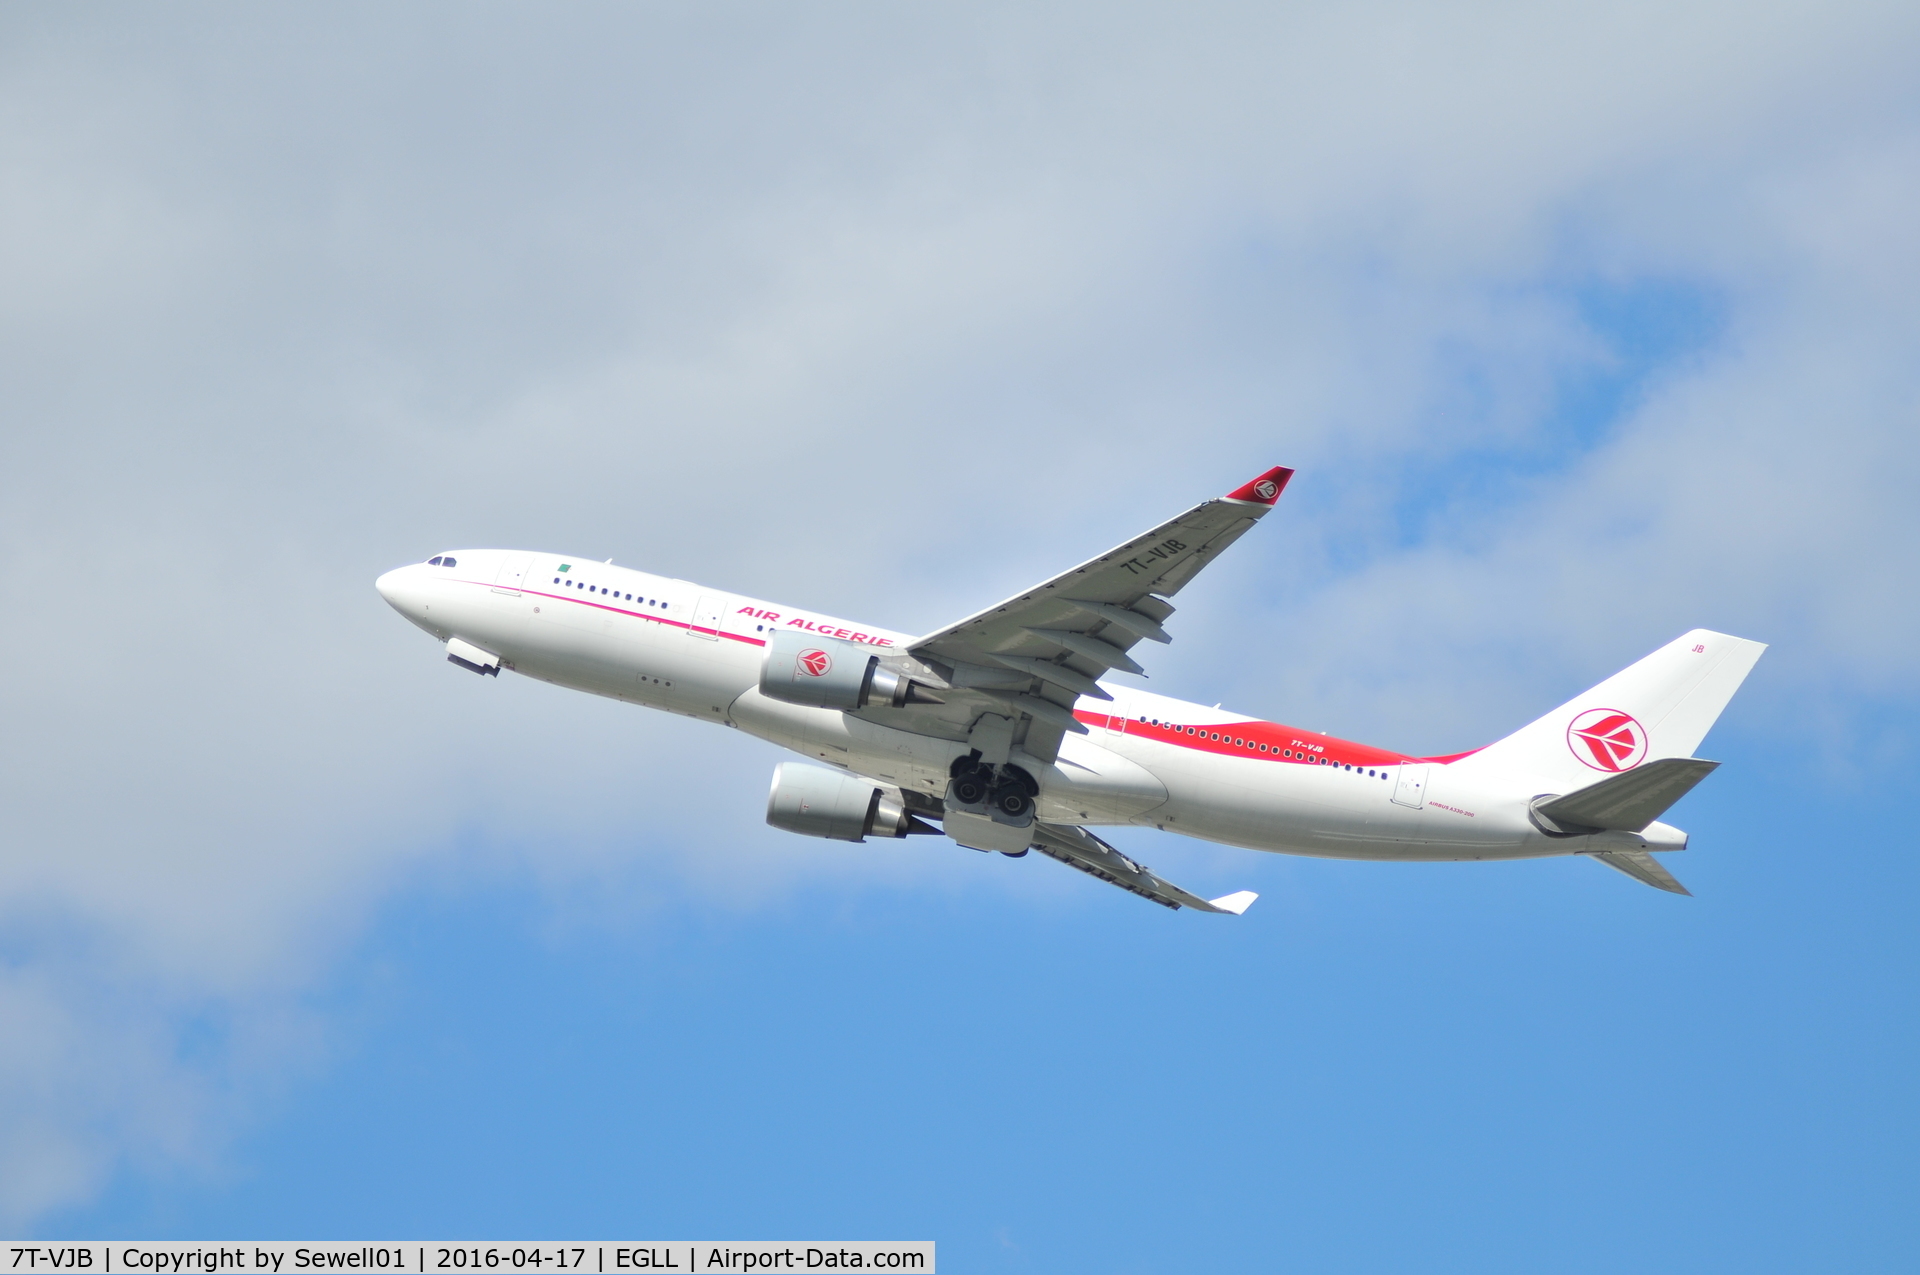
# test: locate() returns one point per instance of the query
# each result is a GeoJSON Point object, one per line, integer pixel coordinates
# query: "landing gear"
{"type": "Point", "coordinates": [970, 787]}
{"type": "Point", "coordinates": [1003, 792]}
{"type": "Point", "coordinates": [989, 807]}
{"type": "Point", "coordinates": [1011, 798]}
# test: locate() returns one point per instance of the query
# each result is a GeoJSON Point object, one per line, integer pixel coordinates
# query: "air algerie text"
{"type": "Point", "coordinates": [814, 626]}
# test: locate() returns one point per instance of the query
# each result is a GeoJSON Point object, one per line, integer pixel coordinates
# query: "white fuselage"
{"type": "Point", "coordinates": [1148, 760]}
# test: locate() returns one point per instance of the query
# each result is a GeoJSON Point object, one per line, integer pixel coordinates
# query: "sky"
{"type": "Point", "coordinates": [1583, 325]}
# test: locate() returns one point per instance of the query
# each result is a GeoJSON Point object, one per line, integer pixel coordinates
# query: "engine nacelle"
{"type": "Point", "coordinates": [816, 802]}
{"type": "Point", "coordinates": [816, 672]}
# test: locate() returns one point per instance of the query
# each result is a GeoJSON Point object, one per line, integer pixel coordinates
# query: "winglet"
{"type": "Point", "coordinates": [1265, 489]}
{"type": "Point", "coordinates": [1237, 902]}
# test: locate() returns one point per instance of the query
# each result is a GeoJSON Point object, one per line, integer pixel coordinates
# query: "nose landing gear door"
{"type": "Point", "coordinates": [513, 573]}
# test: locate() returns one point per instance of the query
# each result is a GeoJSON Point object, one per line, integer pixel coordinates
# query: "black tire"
{"type": "Point", "coordinates": [1012, 801]}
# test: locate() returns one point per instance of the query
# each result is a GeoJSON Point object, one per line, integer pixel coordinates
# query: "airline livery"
{"type": "Point", "coordinates": [999, 732]}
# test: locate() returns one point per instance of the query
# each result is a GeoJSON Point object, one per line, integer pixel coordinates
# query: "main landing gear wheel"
{"type": "Point", "coordinates": [1012, 800]}
{"type": "Point", "coordinates": [1008, 790]}
{"type": "Point", "coordinates": [970, 788]}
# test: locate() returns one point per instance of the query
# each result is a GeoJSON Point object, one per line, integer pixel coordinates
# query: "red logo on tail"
{"type": "Point", "coordinates": [815, 662]}
{"type": "Point", "coordinates": [1607, 739]}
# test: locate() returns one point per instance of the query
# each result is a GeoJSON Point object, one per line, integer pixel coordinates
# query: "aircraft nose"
{"type": "Point", "coordinates": [395, 587]}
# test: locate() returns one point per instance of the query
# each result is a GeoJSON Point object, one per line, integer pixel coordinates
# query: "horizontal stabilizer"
{"type": "Point", "coordinates": [1643, 867]}
{"type": "Point", "coordinates": [1631, 800]}
{"type": "Point", "coordinates": [1078, 848]}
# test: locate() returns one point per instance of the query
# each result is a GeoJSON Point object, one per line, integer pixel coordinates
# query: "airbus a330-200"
{"type": "Point", "coordinates": [1005, 732]}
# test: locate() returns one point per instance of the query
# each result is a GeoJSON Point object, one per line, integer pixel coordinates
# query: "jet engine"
{"type": "Point", "coordinates": [816, 672]}
{"type": "Point", "coordinates": [816, 802]}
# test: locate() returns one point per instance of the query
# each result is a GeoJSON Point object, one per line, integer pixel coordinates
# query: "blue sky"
{"type": "Point", "coordinates": [1582, 329]}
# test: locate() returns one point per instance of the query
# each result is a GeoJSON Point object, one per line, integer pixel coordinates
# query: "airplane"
{"type": "Point", "coordinates": [1001, 730]}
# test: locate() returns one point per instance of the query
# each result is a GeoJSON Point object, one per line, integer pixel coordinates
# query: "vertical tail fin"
{"type": "Point", "coordinates": [1659, 707]}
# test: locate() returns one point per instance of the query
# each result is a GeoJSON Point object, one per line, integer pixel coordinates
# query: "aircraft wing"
{"type": "Point", "coordinates": [1032, 656]}
{"type": "Point", "coordinates": [1078, 848]}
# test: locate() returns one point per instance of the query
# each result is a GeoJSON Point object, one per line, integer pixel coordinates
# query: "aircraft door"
{"type": "Point", "coordinates": [513, 573]}
{"type": "Point", "coordinates": [1411, 788]}
{"type": "Point", "coordinates": [706, 617]}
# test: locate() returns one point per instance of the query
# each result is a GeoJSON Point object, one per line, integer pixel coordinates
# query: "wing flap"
{"type": "Point", "coordinates": [1127, 618]}
{"type": "Point", "coordinates": [1038, 708]}
{"type": "Point", "coordinates": [1102, 653]}
{"type": "Point", "coordinates": [1058, 674]}
{"type": "Point", "coordinates": [1078, 848]}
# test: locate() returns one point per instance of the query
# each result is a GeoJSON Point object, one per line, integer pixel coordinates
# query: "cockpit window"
{"type": "Point", "coordinates": [448, 562]}
{"type": "Point", "coordinates": [433, 562]}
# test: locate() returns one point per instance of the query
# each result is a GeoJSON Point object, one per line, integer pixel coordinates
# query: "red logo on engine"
{"type": "Point", "coordinates": [1607, 739]}
{"type": "Point", "coordinates": [815, 662]}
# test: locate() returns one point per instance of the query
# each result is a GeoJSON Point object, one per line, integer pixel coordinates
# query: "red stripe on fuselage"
{"type": "Point", "coordinates": [1244, 739]}
{"type": "Point", "coordinates": [638, 615]}
{"type": "Point", "coordinates": [1251, 734]}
